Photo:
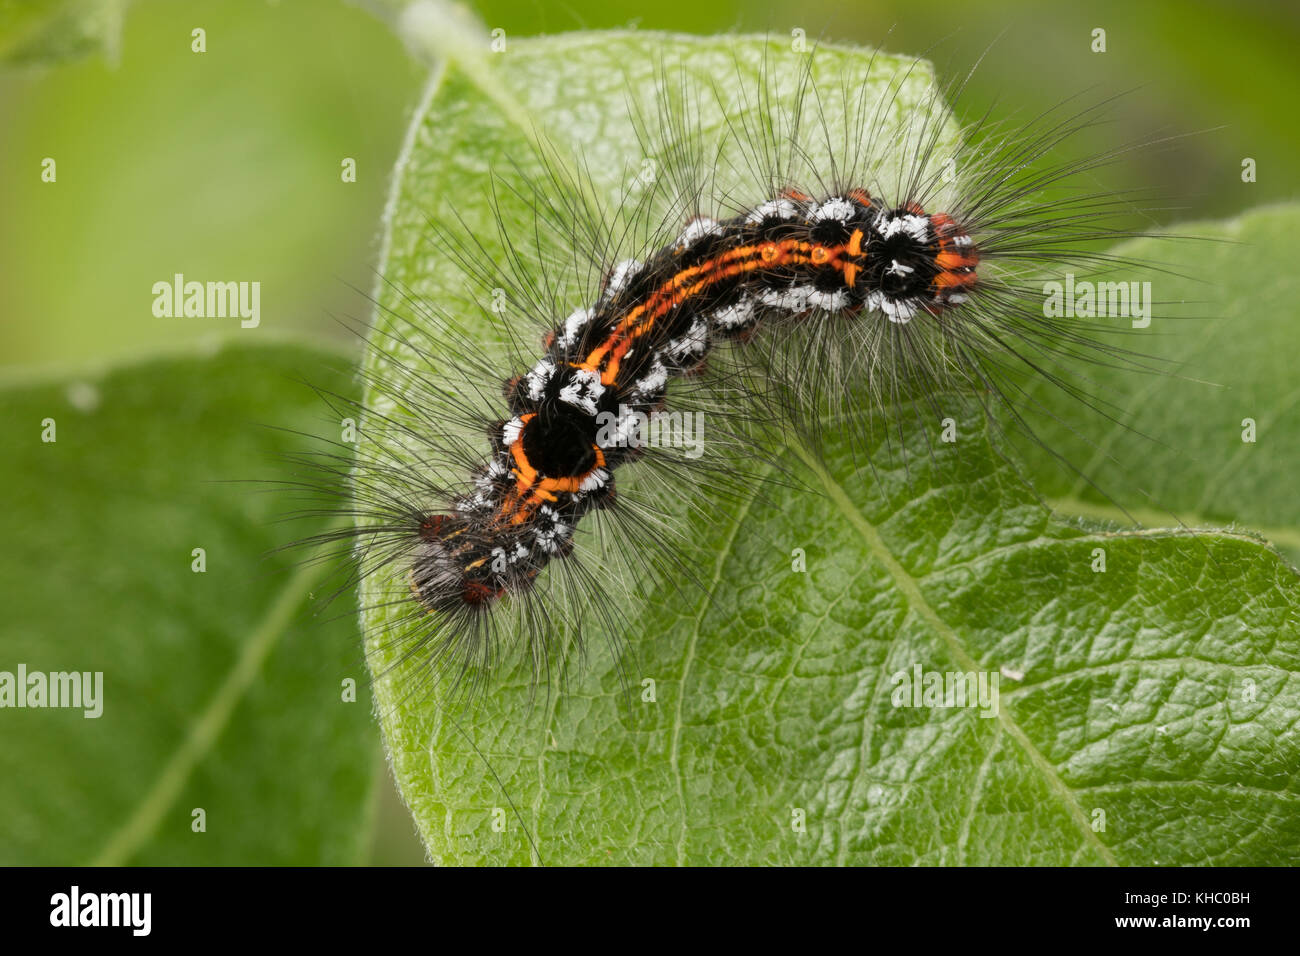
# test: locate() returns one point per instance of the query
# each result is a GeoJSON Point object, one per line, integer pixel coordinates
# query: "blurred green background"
{"type": "Point", "coordinates": [227, 163]}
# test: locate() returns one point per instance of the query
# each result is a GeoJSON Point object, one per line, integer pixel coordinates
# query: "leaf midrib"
{"type": "Point", "coordinates": [206, 730]}
{"type": "Point", "coordinates": [1283, 535]}
{"type": "Point", "coordinates": [911, 591]}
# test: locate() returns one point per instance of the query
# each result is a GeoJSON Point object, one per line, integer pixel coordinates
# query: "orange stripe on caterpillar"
{"type": "Point", "coordinates": [671, 295]}
{"type": "Point", "coordinates": [946, 280]}
{"type": "Point", "coordinates": [516, 508]}
{"type": "Point", "coordinates": [956, 260]}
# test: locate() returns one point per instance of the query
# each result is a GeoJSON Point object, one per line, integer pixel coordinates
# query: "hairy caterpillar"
{"type": "Point", "coordinates": [831, 243]}
{"type": "Point", "coordinates": [574, 412]}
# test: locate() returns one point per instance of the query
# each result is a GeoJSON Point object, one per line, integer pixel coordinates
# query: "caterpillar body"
{"type": "Point", "coordinates": [574, 414]}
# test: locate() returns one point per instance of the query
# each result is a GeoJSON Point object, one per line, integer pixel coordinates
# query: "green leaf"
{"type": "Point", "coordinates": [220, 690]}
{"type": "Point", "coordinates": [1232, 342]}
{"type": "Point", "coordinates": [1146, 712]}
{"type": "Point", "coordinates": [43, 31]}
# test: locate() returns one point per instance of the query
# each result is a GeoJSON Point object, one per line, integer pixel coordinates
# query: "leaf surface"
{"type": "Point", "coordinates": [1145, 713]}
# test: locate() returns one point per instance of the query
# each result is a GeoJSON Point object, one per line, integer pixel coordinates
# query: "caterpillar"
{"type": "Point", "coordinates": [825, 249]}
{"type": "Point", "coordinates": [554, 461]}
